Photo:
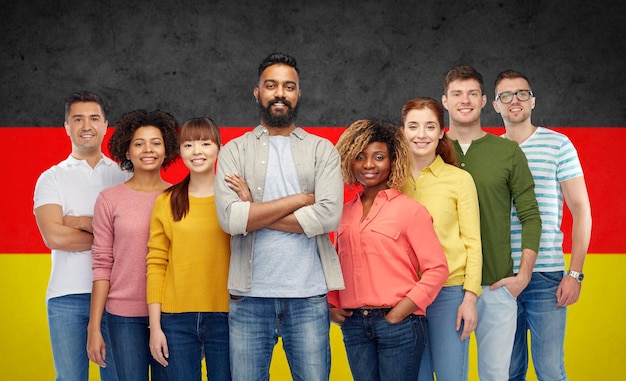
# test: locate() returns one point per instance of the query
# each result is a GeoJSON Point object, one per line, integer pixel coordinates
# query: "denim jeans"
{"type": "Point", "coordinates": [378, 350]}
{"type": "Point", "coordinates": [255, 325]}
{"type": "Point", "coordinates": [130, 339]}
{"type": "Point", "coordinates": [68, 317]}
{"type": "Point", "coordinates": [445, 353]}
{"type": "Point", "coordinates": [495, 333]}
{"type": "Point", "coordinates": [192, 336]}
{"type": "Point", "coordinates": [537, 311]}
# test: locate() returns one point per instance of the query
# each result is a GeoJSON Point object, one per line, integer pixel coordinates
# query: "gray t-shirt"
{"type": "Point", "coordinates": [285, 264]}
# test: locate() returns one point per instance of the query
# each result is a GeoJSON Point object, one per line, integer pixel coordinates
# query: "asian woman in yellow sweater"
{"type": "Point", "coordinates": [188, 261]}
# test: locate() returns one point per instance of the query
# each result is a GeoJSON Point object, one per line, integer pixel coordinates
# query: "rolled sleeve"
{"type": "Point", "coordinates": [232, 213]}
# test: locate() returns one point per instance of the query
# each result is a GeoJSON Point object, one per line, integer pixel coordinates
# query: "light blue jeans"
{"type": "Point", "coordinates": [130, 339]}
{"type": "Point", "coordinates": [192, 336]}
{"type": "Point", "coordinates": [537, 311]}
{"type": "Point", "coordinates": [380, 351]}
{"type": "Point", "coordinates": [68, 317]}
{"type": "Point", "coordinates": [495, 333]}
{"type": "Point", "coordinates": [445, 353]}
{"type": "Point", "coordinates": [255, 325]}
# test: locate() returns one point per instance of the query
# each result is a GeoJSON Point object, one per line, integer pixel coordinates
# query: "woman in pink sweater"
{"type": "Point", "coordinates": [188, 261]}
{"type": "Point", "coordinates": [143, 143]}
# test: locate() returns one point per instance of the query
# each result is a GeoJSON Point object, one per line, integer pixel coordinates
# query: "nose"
{"type": "Point", "coordinates": [280, 91]}
{"type": "Point", "coordinates": [196, 149]}
{"type": "Point", "coordinates": [421, 132]}
{"type": "Point", "coordinates": [368, 162]}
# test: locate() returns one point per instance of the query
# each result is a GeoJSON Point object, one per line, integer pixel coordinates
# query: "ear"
{"type": "Point", "coordinates": [495, 106]}
{"type": "Point", "coordinates": [256, 94]}
{"type": "Point", "coordinates": [444, 101]}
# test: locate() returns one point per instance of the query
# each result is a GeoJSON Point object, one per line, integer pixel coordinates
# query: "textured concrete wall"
{"type": "Point", "coordinates": [357, 58]}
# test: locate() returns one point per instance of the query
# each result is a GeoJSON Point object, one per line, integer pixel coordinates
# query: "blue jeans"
{"type": "Point", "coordinates": [446, 354]}
{"type": "Point", "coordinates": [130, 339]}
{"type": "Point", "coordinates": [68, 317]}
{"type": "Point", "coordinates": [537, 311]}
{"type": "Point", "coordinates": [495, 333]}
{"type": "Point", "coordinates": [192, 336]}
{"type": "Point", "coordinates": [378, 350]}
{"type": "Point", "coordinates": [255, 325]}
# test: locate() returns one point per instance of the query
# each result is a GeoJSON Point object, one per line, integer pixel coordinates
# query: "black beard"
{"type": "Point", "coordinates": [281, 120]}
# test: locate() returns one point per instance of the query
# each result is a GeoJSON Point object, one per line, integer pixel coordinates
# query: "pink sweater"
{"type": "Point", "coordinates": [121, 227]}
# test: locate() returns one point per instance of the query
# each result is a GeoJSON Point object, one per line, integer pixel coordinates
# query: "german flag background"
{"type": "Point", "coordinates": [356, 61]}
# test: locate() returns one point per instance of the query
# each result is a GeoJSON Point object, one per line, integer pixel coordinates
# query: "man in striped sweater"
{"type": "Point", "coordinates": [558, 175]}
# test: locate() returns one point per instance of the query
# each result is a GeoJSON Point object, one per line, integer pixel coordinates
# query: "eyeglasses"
{"type": "Point", "coordinates": [507, 96]}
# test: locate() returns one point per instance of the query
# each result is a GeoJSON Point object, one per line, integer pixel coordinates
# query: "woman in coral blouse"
{"type": "Point", "coordinates": [392, 261]}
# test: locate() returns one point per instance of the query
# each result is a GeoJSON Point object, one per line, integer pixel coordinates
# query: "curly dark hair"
{"type": "Point", "coordinates": [130, 122]}
{"type": "Point", "coordinates": [365, 131]}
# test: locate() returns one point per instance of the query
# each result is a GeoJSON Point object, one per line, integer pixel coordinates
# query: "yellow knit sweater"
{"type": "Point", "coordinates": [187, 260]}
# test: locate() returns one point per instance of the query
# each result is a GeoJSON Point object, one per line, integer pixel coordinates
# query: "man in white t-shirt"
{"type": "Point", "coordinates": [558, 175]}
{"type": "Point", "coordinates": [64, 200]}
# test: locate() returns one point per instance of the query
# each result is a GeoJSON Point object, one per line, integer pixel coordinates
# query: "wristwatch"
{"type": "Point", "coordinates": [576, 275]}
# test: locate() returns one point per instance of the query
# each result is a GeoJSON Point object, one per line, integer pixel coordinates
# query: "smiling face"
{"type": "Point", "coordinates": [517, 111]}
{"type": "Point", "coordinates": [146, 150]}
{"type": "Point", "coordinates": [423, 131]}
{"type": "Point", "coordinates": [464, 101]}
{"type": "Point", "coordinates": [277, 94]}
{"type": "Point", "coordinates": [199, 155]}
{"type": "Point", "coordinates": [86, 127]}
{"type": "Point", "coordinates": [372, 166]}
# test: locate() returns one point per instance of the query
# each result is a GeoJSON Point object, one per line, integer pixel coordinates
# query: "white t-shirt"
{"type": "Point", "coordinates": [74, 185]}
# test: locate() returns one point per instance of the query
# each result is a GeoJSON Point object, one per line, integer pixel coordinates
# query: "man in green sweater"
{"type": "Point", "coordinates": [501, 174]}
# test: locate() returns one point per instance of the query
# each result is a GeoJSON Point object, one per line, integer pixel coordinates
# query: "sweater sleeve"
{"type": "Point", "coordinates": [158, 250]}
{"type": "Point", "coordinates": [102, 247]}
{"type": "Point", "coordinates": [523, 190]}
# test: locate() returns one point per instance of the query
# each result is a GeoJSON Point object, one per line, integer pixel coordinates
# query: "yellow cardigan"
{"type": "Point", "coordinates": [187, 260]}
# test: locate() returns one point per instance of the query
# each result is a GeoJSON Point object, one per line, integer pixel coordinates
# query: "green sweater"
{"type": "Point", "coordinates": [501, 174]}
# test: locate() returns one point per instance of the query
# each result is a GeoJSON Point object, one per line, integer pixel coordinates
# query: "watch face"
{"type": "Point", "coordinates": [580, 277]}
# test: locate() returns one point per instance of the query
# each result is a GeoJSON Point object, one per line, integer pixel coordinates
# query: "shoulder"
{"type": "Point", "coordinates": [244, 138]}
{"type": "Point", "coordinates": [114, 191]}
{"type": "Point", "coordinates": [554, 137]}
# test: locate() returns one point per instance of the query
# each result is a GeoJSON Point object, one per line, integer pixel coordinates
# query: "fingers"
{"type": "Point", "coordinates": [160, 354]}
{"type": "Point", "coordinates": [97, 356]}
{"type": "Point", "coordinates": [338, 315]}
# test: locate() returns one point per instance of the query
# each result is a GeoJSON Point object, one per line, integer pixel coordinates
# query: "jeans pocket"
{"type": "Point", "coordinates": [237, 298]}
{"type": "Point", "coordinates": [551, 277]}
{"type": "Point", "coordinates": [317, 298]}
{"type": "Point", "coordinates": [508, 293]}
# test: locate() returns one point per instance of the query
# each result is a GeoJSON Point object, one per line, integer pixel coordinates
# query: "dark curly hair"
{"type": "Point", "coordinates": [130, 122]}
